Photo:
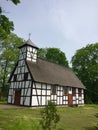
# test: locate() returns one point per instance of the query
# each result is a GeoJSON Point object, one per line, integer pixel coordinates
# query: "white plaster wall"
{"type": "Point", "coordinates": [74, 97]}
{"type": "Point", "coordinates": [76, 90]}
{"type": "Point", "coordinates": [74, 102]}
{"type": "Point", "coordinates": [11, 92]}
{"type": "Point", "coordinates": [48, 98]}
{"type": "Point", "coordinates": [34, 50]}
{"type": "Point", "coordinates": [20, 57]}
{"type": "Point", "coordinates": [23, 84]}
{"type": "Point", "coordinates": [55, 97]}
{"type": "Point", "coordinates": [26, 69]}
{"type": "Point", "coordinates": [15, 71]}
{"type": "Point", "coordinates": [34, 92]}
{"type": "Point", "coordinates": [43, 92]}
{"type": "Point", "coordinates": [28, 84]}
{"type": "Point", "coordinates": [66, 102]}
{"type": "Point", "coordinates": [21, 101]}
{"type": "Point", "coordinates": [34, 101]}
{"type": "Point", "coordinates": [58, 88]}
{"type": "Point", "coordinates": [66, 97]}
{"type": "Point", "coordinates": [82, 96]}
{"type": "Point", "coordinates": [19, 84]}
{"type": "Point", "coordinates": [22, 92]}
{"type": "Point", "coordinates": [82, 91]}
{"type": "Point", "coordinates": [39, 92]}
{"type": "Point", "coordinates": [51, 97]}
{"type": "Point", "coordinates": [77, 101]}
{"type": "Point", "coordinates": [33, 60]}
{"type": "Point", "coordinates": [60, 100]}
{"type": "Point", "coordinates": [9, 99]}
{"type": "Point", "coordinates": [70, 90]}
{"type": "Point", "coordinates": [27, 101]}
{"type": "Point", "coordinates": [48, 86]}
{"type": "Point", "coordinates": [48, 92]}
{"type": "Point", "coordinates": [28, 58]}
{"type": "Point", "coordinates": [43, 100]}
{"type": "Point", "coordinates": [27, 92]}
{"type": "Point", "coordinates": [43, 86]}
{"type": "Point", "coordinates": [38, 85]}
{"type": "Point", "coordinates": [29, 77]}
{"type": "Point", "coordinates": [82, 101]}
{"type": "Point", "coordinates": [57, 100]}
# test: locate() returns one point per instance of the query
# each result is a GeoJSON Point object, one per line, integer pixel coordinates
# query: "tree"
{"type": "Point", "coordinates": [49, 116]}
{"type": "Point", "coordinates": [6, 26]}
{"type": "Point", "coordinates": [8, 57]}
{"type": "Point", "coordinates": [85, 65]}
{"type": "Point", "coordinates": [53, 55]}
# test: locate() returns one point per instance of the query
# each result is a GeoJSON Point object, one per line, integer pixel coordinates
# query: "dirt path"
{"type": "Point", "coordinates": [7, 106]}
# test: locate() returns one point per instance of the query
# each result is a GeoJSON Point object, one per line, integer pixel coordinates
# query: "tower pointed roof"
{"type": "Point", "coordinates": [29, 43]}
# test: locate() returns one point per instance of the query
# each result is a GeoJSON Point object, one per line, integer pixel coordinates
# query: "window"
{"type": "Point", "coordinates": [53, 90]}
{"type": "Point", "coordinates": [25, 76]}
{"type": "Point", "coordinates": [80, 92]}
{"type": "Point", "coordinates": [65, 90]}
{"type": "Point", "coordinates": [74, 91]}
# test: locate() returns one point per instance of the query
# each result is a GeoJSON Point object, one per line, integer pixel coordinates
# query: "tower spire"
{"type": "Point", "coordinates": [29, 35]}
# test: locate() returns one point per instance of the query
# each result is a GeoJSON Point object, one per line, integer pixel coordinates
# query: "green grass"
{"type": "Point", "coordinates": [71, 118]}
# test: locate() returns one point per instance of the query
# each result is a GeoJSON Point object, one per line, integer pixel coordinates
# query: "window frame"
{"type": "Point", "coordinates": [53, 90]}
{"type": "Point", "coordinates": [65, 90]}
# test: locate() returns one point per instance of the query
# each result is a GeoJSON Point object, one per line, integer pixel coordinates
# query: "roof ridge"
{"type": "Point", "coordinates": [54, 63]}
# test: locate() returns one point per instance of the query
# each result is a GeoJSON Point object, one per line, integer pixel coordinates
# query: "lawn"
{"type": "Point", "coordinates": [71, 118]}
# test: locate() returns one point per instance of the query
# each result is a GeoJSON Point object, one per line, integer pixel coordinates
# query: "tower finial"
{"type": "Point", "coordinates": [29, 35]}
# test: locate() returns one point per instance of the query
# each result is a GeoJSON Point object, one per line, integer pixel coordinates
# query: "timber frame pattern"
{"type": "Point", "coordinates": [25, 91]}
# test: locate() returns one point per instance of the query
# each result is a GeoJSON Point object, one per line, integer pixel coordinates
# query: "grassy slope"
{"type": "Point", "coordinates": [71, 118]}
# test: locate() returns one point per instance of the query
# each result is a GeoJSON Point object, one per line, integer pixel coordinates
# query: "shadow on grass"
{"type": "Point", "coordinates": [91, 128]}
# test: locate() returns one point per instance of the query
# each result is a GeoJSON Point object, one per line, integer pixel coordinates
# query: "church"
{"type": "Point", "coordinates": [34, 81]}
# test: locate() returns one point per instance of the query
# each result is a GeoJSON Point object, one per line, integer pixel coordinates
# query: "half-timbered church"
{"type": "Point", "coordinates": [34, 81]}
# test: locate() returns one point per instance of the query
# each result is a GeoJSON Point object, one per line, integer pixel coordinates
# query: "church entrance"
{"type": "Point", "coordinates": [69, 99]}
{"type": "Point", "coordinates": [17, 96]}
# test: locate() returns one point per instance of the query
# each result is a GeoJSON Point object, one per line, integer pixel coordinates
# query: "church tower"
{"type": "Point", "coordinates": [20, 79]}
{"type": "Point", "coordinates": [28, 51]}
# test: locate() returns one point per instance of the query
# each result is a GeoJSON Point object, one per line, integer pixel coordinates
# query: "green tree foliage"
{"type": "Point", "coordinates": [53, 55]}
{"type": "Point", "coordinates": [49, 116]}
{"type": "Point", "coordinates": [85, 65]}
{"type": "Point", "coordinates": [6, 26]}
{"type": "Point", "coordinates": [8, 57]}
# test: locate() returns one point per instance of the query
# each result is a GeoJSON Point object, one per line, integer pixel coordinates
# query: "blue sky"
{"type": "Point", "coordinates": [65, 24]}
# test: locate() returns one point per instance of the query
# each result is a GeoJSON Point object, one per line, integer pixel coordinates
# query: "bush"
{"type": "Point", "coordinates": [49, 116]}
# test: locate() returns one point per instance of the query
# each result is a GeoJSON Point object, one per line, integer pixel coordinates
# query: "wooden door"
{"type": "Point", "coordinates": [69, 99]}
{"type": "Point", "coordinates": [17, 97]}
